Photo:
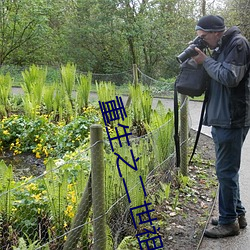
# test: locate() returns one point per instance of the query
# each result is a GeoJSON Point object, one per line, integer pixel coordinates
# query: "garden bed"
{"type": "Point", "coordinates": [185, 225]}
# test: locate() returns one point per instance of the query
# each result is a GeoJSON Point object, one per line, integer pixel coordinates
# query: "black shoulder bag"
{"type": "Point", "coordinates": [192, 79]}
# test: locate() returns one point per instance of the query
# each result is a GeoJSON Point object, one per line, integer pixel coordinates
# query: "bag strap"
{"type": "Point", "coordinates": [176, 126]}
{"type": "Point", "coordinates": [199, 127]}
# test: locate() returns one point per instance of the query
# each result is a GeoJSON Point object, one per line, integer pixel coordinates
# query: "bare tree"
{"type": "Point", "coordinates": [20, 22]}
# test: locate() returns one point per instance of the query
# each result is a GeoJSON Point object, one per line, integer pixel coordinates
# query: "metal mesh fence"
{"type": "Point", "coordinates": [54, 210]}
{"type": "Point", "coordinates": [160, 87]}
{"type": "Point", "coordinates": [46, 209]}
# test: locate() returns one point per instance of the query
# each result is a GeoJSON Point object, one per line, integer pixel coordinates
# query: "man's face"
{"type": "Point", "coordinates": [211, 38]}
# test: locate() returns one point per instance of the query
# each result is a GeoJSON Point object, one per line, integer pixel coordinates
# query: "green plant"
{"type": "Point", "coordinates": [42, 136]}
{"type": "Point", "coordinates": [6, 196]}
{"type": "Point", "coordinates": [30, 207]}
{"type": "Point", "coordinates": [184, 181]}
{"type": "Point", "coordinates": [176, 199]}
{"type": "Point", "coordinates": [141, 107]}
{"type": "Point", "coordinates": [115, 187]}
{"type": "Point", "coordinates": [62, 104]}
{"type": "Point", "coordinates": [28, 244]}
{"type": "Point", "coordinates": [162, 194]}
{"type": "Point", "coordinates": [135, 93]}
{"type": "Point", "coordinates": [5, 90]}
{"type": "Point", "coordinates": [106, 91]}
{"type": "Point", "coordinates": [34, 81]}
{"type": "Point", "coordinates": [161, 126]}
{"type": "Point", "coordinates": [166, 187]}
{"type": "Point", "coordinates": [114, 183]}
{"type": "Point", "coordinates": [58, 102]}
{"type": "Point", "coordinates": [7, 232]}
{"type": "Point", "coordinates": [48, 98]}
{"type": "Point", "coordinates": [146, 101]}
{"type": "Point", "coordinates": [23, 134]}
{"type": "Point", "coordinates": [56, 184]}
{"type": "Point", "coordinates": [83, 91]}
{"type": "Point", "coordinates": [68, 74]}
{"type": "Point", "coordinates": [129, 242]}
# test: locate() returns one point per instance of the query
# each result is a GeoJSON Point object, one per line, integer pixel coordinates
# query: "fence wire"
{"type": "Point", "coordinates": [44, 211]}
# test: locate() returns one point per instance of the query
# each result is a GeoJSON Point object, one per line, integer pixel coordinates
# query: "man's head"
{"type": "Point", "coordinates": [211, 29]}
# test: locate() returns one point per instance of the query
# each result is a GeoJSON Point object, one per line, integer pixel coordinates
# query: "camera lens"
{"type": "Point", "coordinates": [187, 53]}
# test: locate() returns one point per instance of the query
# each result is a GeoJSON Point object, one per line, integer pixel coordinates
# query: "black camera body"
{"type": "Point", "coordinates": [190, 51]}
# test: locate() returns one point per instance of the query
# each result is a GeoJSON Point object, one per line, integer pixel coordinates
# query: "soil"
{"type": "Point", "coordinates": [25, 164]}
{"type": "Point", "coordinates": [186, 222]}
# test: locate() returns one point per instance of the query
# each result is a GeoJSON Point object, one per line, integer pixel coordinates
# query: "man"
{"type": "Point", "coordinates": [228, 112]}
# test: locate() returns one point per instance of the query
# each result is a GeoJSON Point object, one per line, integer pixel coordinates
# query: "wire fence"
{"type": "Point", "coordinates": [158, 87]}
{"type": "Point", "coordinates": [56, 210]}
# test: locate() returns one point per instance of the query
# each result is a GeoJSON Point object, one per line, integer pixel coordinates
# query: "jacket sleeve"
{"type": "Point", "coordinates": [234, 66]}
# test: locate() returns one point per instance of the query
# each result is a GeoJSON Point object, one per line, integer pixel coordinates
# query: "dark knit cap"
{"type": "Point", "coordinates": [211, 23]}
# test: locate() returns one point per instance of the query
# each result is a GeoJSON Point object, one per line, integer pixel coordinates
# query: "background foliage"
{"type": "Point", "coordinates": [106, 36]}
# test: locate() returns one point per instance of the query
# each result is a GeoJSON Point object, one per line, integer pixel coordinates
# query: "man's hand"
{"type": "Point", "coordinates": [200, 58]}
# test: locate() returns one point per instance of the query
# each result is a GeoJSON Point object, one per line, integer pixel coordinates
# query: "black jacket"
{"type": "Point", "coordinates": [229, 90]}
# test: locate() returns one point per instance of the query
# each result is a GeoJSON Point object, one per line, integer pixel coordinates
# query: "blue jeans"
{"type": "Point", "coordinates": [228, 145]}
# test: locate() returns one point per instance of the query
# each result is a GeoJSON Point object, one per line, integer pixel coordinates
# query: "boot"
{"type": "Point", "coordinates": [221, 231]}
{"type": "Point", "coordinates": [241, 219]}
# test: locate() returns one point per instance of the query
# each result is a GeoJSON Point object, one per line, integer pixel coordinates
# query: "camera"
{"type": "Point", "coordinates": [190, 51]}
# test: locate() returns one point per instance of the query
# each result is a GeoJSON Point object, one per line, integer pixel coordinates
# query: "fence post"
{"type": "Point", "coordinates": [135, 82]}
{"type": "Point", "coordinates": [135, 74]}
{"type": "Point", "coordinates": [98, 194]}
{"type": "Point", "coordinates": [184, 135]}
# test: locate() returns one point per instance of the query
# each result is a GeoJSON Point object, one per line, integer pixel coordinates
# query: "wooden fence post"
{"type": "Point", "coordinates": [135, 74]}
{"type": "Point", "coordinates": [135, 82]}
{"type": "Point", "coordinates": [98, 194]}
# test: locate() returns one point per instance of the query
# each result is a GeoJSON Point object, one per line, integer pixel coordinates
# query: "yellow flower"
{"type": "Point", "coordinates": [38, 155]}
{"type": "Point", "coordinates": [14, 209]}
{"type": "Point", "coordinates": [73, 199]}
{"type": "Point", "coordinates": [6, 132]}
{"type": "Point", "coordinates": [17, 152]}
{"type": "Point", "coordinates": [69, 211]}
{"type": "Point", "coordinates": [37, 196]}
{"type": "Point", "coordinates": [31, 187]}
{"type": "Point", "coordinates": [45, 151]}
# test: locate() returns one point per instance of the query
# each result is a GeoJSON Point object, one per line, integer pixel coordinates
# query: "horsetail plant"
{"type": "Point", "coordinates": [68, 74]}
{"type": "Point", "coordinates": [161, 126]}
{"type": "Point", "coordinates": [56, 183]}
{"type": "Point", "coordinates": [5, 89]}
{"type": "Point", "coordinates": [48, 98]}
{"type": "Point", "coordinates": [105, 91]}
{"type": "Point", "coordinates": [83, 91]}
{"type": "Point", "coordinates": [6, 184]}
{"type": "Point", "coordinates": [141, 103]}
{"type": "Point", "coordinates": [33, 85]}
